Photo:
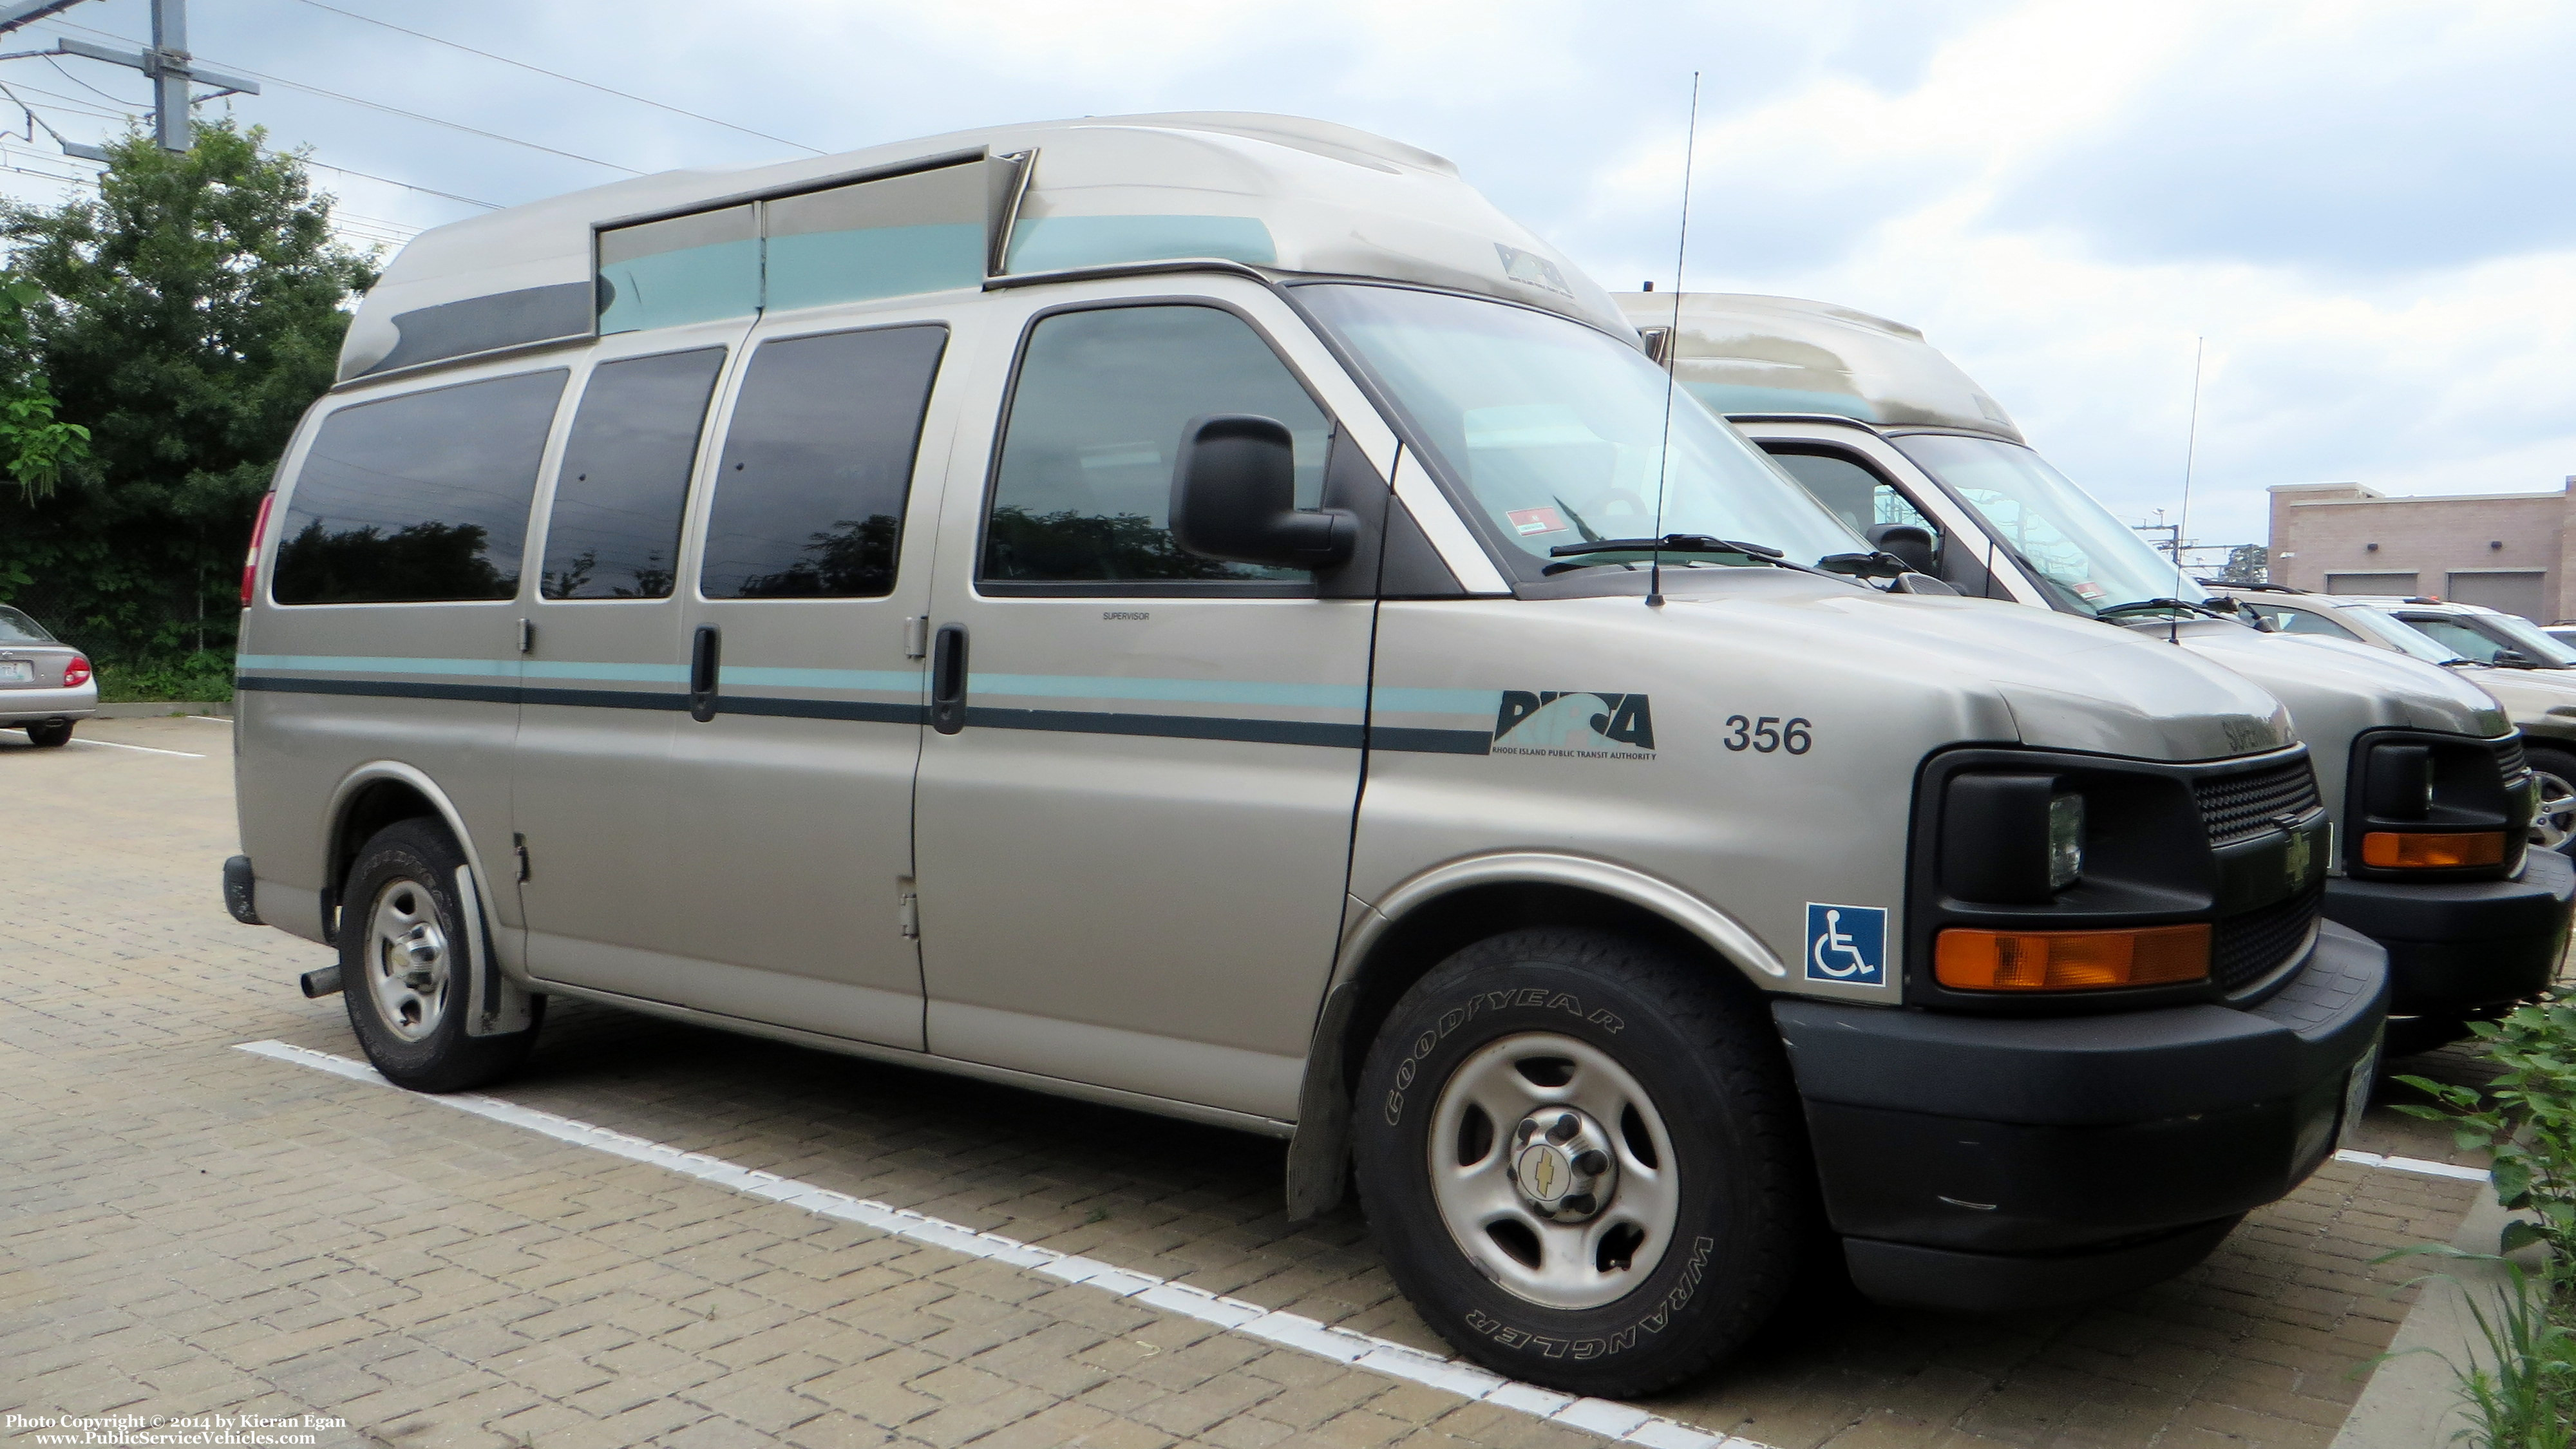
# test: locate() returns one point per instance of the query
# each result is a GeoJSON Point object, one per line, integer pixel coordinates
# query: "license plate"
{"type": "Point", "coordinates": [2356, 1091]}
{"type": "Point", "coordinates": [17, 671]}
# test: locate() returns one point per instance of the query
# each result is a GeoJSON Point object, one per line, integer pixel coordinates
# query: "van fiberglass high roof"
{"type": "Point", "coordinates": [1744, 355]}
{"type": "Point", "coordinates": [1275, 193]}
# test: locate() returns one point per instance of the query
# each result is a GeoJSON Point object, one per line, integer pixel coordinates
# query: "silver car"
{"type": "Point", "coordinates": [45, 684]}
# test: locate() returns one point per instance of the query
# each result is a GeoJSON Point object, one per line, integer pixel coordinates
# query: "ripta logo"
{"type": "Point", "coordinates": [1573, 724]}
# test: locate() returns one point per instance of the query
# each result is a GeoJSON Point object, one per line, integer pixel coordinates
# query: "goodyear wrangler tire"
{"type": "Point", "coordinates": [403, 964]}
{"type": "Point", "coordinates": [1582, 1159]}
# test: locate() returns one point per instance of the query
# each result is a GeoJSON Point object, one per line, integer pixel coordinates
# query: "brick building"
{"type": "Point", "coordinates": [2510, 551]}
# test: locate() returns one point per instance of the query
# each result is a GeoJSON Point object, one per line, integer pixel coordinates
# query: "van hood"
{"type": "Point", "coordinates": [2007, 671]}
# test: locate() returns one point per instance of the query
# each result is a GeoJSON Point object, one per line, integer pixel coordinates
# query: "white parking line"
{"type": "Point", "coordinates": [1611, 1420]}
{"type": "Point", "coordinates": [2412, 1164]}
{"type": "Point", "coordinates": [147, 749]}
{"type": "Point", "coordinates": [208, 718]}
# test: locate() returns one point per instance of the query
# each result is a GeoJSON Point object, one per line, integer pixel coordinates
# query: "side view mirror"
{"type": "Point", "coordinates": [1234, 497]}
{"type": "Point", "coordinates": [1910, 542]}
{"type": "Point", "coordinates": [2513, 659]}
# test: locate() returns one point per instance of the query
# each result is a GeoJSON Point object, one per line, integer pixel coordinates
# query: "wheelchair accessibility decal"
{"type": "Point", "coordinates": [1847, 943]}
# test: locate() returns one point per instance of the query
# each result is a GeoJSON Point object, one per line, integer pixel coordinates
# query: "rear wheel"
{"type": "Point", "coordinates": [51, 734]}
{"type": "Point", "coordinates": [2554, 826]}
{"type": "Point", "coordinates": [404, 965]}
{"type": "Point", "coordinates": [1582, 1159]}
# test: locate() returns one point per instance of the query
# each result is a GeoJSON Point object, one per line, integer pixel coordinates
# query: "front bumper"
{"type": "Point", "coordinates": [36, 706]}
{"type": "Point", "coordinates": [1990, 1163]}
{"type": "Point", "coordinates": [2457, 946]}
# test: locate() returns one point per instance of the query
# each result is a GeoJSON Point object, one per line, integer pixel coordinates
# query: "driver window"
{"type": "Point", "coordinates": [2452, 634]}
{"type": "Point", "coordinates": [1856, 495]}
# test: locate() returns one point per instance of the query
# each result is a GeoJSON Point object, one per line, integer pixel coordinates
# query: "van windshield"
{"type": "Point", "coordinates": [2402, 634]}
{"type": "Point", "coordinates": [1558, 430]}
{"type": "Point", "coordinates": [2090, 560]}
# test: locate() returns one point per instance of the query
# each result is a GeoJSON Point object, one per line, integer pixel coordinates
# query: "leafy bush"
{"type": "Point", "coordinates": [206, 677]}
{"type": "Point", "coordinates": [2526, 1117]}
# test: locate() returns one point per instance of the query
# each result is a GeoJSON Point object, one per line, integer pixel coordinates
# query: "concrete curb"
{"type": "Point", "coordinates": [2413, 1398]}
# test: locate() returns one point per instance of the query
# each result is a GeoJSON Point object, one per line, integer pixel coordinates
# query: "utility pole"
{"type": "Point", "coordinates": [174, 74]}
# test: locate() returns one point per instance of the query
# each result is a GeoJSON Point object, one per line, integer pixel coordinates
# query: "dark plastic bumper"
{"type": "Point", "coordinates": [1991, 1163]}
{"type": "Point", "coordinates": [2454, 947]}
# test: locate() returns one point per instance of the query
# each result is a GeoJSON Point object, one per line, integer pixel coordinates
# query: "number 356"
{"type": "Point", "coordinates": [1769, 733]}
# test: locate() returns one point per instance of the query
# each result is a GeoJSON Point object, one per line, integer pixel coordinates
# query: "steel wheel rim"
{"type": "Point", "coordinates": [2555, 820]}
{"type": "Point", "coordinates": [1481, 1198]}
{"type": "Point", "coordinates": [407, 959]}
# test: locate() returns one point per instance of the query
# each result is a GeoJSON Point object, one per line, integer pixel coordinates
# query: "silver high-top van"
{"type": "Point", "coordinates": [1166, 610]}
{"type": "Point", "coordinates": [1898, 441]}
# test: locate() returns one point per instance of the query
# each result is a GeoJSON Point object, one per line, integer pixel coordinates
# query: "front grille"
{"type": "Point", "coordinates": [2510, 761]}
{"type": "Point", "coordinates": [2242, 806]}
{"type": "Point", "coordinates": [2245, 949]}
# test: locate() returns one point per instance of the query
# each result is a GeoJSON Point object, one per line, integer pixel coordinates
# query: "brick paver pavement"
{"type": "Point", "coordinates": [187, 1229]}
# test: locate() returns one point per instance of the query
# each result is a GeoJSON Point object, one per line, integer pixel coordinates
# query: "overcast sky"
{"type": "Point", "coordinates": [2369, 210]}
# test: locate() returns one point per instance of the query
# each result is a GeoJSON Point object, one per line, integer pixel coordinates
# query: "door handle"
{"type": "Point", "coordinates": [702, 674]}
{"type": "Point", "coordinates": [948, 680]}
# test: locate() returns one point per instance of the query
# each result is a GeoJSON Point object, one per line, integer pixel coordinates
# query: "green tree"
{"type": "Point", "coordinates": [184, 318]}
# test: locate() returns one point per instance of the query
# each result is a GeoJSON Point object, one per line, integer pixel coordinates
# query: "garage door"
{"type": "Point", "coordinates": [2402, 585]}
{"type": "Point", "coordinates": [2514, 593]}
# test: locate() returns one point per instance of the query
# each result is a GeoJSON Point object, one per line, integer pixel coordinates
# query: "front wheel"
{"type": "Point", "coordinates": [2553, 826]}
{"type": "Point", "coordinates": [1582, 1159]}
{"type": "Point", "coordinates": [404, 964]}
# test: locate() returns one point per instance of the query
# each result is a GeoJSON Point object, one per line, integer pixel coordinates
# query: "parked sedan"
{"type": "Point", "coordinates": [45, 684]}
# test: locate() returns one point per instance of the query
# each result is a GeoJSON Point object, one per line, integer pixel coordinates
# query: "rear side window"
{"type": "Point", "coordinates": [817, 466]}
{"type": "Point", "coordinates": [1083, 492]}
{"type": "Point", "coordinates": [614, 532]}
{"type": "Point", "coordinates": [418, 499]}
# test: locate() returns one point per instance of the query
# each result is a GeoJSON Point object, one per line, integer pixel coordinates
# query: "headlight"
{"type": "Point", "coordinates": [2065, 840]}
{"type": "Point", "coordinates": [2012, 839]}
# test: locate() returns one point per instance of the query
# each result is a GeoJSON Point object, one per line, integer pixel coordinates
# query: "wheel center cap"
{"type": "Point", "coordinates": [1563, 1165]}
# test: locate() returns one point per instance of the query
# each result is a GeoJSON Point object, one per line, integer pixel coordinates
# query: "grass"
{"type": "Point", "coordinates": [189, 678]}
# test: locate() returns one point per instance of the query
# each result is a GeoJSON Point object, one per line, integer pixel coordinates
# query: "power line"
{"type": "Point", "coordinates": [392, 110]}
{"type": "Point", "coordinates": [76, 109]}
{"type": "Point", "coordinates": [559, 75]}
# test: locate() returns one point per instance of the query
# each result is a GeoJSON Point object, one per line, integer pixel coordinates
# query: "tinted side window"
{"type": "Point", "coordinates": [817, 465]}
{"type": "Point", "coordinates": [1084, 489]}
{"type": "Point", "coordinates": [2452, 634]}
{"type": "Point", "coordinates": [1855, 494]}
{"type": "Point", "coordinates": [614, 532]}
{"type": "Point", "coordinates": [418, 498]}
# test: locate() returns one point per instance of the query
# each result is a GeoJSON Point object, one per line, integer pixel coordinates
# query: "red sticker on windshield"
{"type": "Point", "coordinates": [1535, 520]}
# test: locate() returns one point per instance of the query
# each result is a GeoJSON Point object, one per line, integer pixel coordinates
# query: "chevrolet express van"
{"type": "Point", "coordinates": [2537, 692]}
{"type": "Point", "coordinates": [1906, 448]}
{"type": "Point", "coordinates": [1203, 613]}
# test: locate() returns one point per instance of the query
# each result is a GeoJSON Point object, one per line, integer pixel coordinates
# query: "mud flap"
{"type": "Point", "coordinates": [495, 1004]}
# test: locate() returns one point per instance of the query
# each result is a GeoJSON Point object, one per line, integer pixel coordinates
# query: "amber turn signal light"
{"type": "Point", "coordinates": [2407, 850]}
{"type": "Point", "coordinates": [2071, 960]}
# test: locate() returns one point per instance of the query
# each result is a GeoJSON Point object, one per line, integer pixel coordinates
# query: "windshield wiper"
{"type": "Point", "coordinates": [2184, 606]}
{"type": "Point", "coordinates": [1831, 566]}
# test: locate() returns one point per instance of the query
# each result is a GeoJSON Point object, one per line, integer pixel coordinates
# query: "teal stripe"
{"type": "Point", "coordinates": [626, 673]}
{"type": "Point", "coordinates": [1481, 703]}
{"type": "Point", "coordinates": [1171, 691]}
{"type": "Point", "coordinates": [1477, 702]}
{"type": "Point", "coordinates": [907, 680]}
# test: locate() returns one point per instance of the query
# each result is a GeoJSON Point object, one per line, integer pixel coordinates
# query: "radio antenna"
{"type": "Point", "coordinates": [2190, 451]}
{"type": "Point", "coordinates": [1672, 356]}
